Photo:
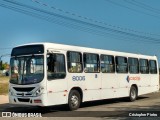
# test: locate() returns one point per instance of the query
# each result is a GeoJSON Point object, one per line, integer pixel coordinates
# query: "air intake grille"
{"type": "Point", "coordinates": [27, 89]}
{"type": "Point", "coordinates": [23, 100]}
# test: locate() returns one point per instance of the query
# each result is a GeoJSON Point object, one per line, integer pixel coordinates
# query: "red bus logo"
{"type": "Point", "coordinates": [134, 78]}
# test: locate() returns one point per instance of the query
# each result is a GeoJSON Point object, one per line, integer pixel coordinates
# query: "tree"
{"type": "Point", "coordinates": [4, 66]}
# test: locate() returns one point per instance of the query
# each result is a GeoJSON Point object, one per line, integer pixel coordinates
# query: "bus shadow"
{"type": "Point", "coordinates": [109, 101]}
{"type": "Point", "coordinates": [30, 109]}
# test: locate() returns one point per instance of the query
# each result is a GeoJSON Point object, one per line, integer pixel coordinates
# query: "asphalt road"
{"type": "Point", "coordinates": [114, 108]}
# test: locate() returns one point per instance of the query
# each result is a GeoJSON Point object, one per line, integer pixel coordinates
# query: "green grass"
{"type": "Point", "coordinates": [4, 81]}
{"type": "Point", "coordinates": [3, 88]}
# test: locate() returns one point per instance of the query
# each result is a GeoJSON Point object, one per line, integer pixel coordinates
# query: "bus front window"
{"type": "Point", "coordinates": [27, 69]}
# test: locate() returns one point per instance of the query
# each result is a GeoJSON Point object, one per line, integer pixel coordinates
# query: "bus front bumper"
{"type": "Point", "coordinates": [34, 101]}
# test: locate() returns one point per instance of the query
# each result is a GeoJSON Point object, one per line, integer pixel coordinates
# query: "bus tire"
{"type": "Point", "coordinates": [133, 94]}
{"type": "Point", "coordinates": [74, 100]}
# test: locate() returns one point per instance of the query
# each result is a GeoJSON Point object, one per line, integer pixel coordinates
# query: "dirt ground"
{"type": "Point", "coordinates": [4, 99]}
{"type": "Point", "coordinates": [4, 79]}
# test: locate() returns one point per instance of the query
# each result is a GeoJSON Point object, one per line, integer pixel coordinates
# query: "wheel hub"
{"type": "Point", "coordinates": [74, 100]}
{"type": "Point", "coordinates": [133, 94]}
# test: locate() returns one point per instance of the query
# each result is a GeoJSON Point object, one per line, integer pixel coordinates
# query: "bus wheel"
{"type": "Point", "coordinates": [133, 94]}
{"type": "Point", "coordinates": [74, 100]}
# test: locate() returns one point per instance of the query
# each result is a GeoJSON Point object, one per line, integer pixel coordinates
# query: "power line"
{"type": "Point", "coordinates": [147, 6]}
{"type": "Point", "coordinates": [71, 19]}
{"type": "Point", "coordinates": [4, 55]}
{"type": "Point", "coordinates": [90, 19]}
{"type": "Point", "coordinates": [151, 40]}
{"type": "Point", "coordinates": [4, 48]}
{"type": "Point", "coordinates": [135, 3]}
{"type": "Point", "coordinates": [53, 20]}
{"type": "Point", "coordinates": [135, 10]}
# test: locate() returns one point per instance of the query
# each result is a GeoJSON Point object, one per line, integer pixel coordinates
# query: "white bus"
{"type": "Point", "coordinates": [46, 74]}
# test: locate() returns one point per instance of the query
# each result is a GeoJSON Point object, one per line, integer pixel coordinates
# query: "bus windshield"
{"type": "Point", "coordinates": [27, 69]}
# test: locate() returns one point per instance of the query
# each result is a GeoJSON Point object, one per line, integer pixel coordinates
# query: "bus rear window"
{"type": "Point", "coordinates": [153, 67]}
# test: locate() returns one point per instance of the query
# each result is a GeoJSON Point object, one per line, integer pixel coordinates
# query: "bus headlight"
{"type": "Point", "coordinates": [38, 92]}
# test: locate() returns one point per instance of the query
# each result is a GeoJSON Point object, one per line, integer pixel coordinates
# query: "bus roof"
{"type": "Point", "coordinates": [65, 47]}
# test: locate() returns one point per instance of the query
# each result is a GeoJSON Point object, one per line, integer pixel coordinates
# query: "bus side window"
{"type": "Point", "coordinates": [74, 60]}
{"type": "Point", "coordinates": [133, 65]}
{"type": "Point", "coordinates": [144, 66]}
{"type": "Point", "coordinates": [91, 63]}
{"type": "Point", "coordinates": [56, 66]}
{"type": "Point", "coordinates": [50, 61]}
{"type": "Point", "coordinates": [121, 64]}
{"type": "Point", "coordinates": [107, 64]}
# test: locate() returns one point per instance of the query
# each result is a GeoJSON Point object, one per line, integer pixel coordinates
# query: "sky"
{"type": "Point", "coordinates": [138, 17]}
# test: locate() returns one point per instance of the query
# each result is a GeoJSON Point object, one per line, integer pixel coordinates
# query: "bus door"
{"type": "Point", "coordinates": [56, 74]}
{"type": "Point", "coordinates": [122, 76]}
{"type": "Point", "coordinates": [92, 77]}
{"type": "Point", "coordinates": [109, 80]}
